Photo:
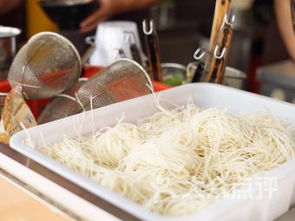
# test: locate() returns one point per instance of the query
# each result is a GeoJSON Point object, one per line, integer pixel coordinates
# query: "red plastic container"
{"type": "Point", "coordinates": [159, 86]}
{"type": "Point", "coordinates": [88, 71]}
{"type": "Point", "coordinates": [35, 105]}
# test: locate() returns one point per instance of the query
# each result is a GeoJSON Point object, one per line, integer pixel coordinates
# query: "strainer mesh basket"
{"type": "Point", "coordinates": [123, 80]}
{"type": "Point", "coordinates": [63, 105]}
{"type": "Point", "coordinates": [46, 66]}
{"type": "Point", "coordinates": [120, 81]}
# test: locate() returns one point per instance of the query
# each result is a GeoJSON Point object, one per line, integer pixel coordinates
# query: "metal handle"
{"type": "Point", "coordinates": [220, 54]}
{"type": "Point", "coordinates": [222, 9]}
{"type": "Point", "coordinates": [199, 54]}
{"type": "Point", "coordinates": [153, 52]}
{"type": "Point", "coordinates": [90, 40]}
{"type": "Point", "coordinates": [195, 71]}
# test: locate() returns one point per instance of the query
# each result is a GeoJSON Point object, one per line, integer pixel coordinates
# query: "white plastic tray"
{"type": "Point", "coordinates": [204, 95]}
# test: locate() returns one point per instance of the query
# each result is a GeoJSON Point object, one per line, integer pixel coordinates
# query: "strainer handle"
{"type": "Point", "coordinates": [90, 40]}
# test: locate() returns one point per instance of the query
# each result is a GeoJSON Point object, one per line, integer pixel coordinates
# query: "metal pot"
{"type": "Point", "coordinates": [176, 74]}
{"type": "Point", "coordinates": [173, 74]}
{"type": "Point", "coordinates": [234, 78]}
{"type": "Point", "coordinates": [7, 48]}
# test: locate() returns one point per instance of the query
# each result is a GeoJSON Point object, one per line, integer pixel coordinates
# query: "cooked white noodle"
{"type": "Point", "coordinates": [179, 161]}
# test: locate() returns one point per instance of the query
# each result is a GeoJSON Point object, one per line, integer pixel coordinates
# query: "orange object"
{"type": "Point", "coordinates": [36, 19]}
{"type": "Point", "coordinates": [89, 71]}
{"type": "Point", "coordinates": [159, 86]}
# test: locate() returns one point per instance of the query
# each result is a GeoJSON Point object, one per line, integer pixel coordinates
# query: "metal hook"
{"type": "Point", "coordinates": [144, 27]}
{"type": "Point", "coordinates": [229, 20]}
{"type": "Point", "coordinates": [216, 51]}
{"type": "Point", "coordinates": [90, 40]}
{"type": "Point", "coordinates": [199, 54]}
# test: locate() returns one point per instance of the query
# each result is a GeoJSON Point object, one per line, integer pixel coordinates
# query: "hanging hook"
{"type": "Point", "coordinates": [216, 51]}
{"type": "Point", "coordinates": [199, 54]}
{"type": "Point", "coordinates": [90, 40]}
{"type": "Point", "coordinates": [144, 26]}
{"type": "Point", "coordinates": [229, 19]}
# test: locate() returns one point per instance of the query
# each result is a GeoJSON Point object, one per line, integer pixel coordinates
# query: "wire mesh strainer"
{"type": "Point", "coordinates": [46, 66]}
{"type": "Point", "coordinates": [123, 80]}
{"type": "Point", "coordinates": [62, 105]}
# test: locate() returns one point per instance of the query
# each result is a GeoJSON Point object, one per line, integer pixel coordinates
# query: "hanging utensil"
{"type": "Point", "coordinates": [63, 105]}
{"type": "Point", "coordinates": [221, 52]}
{"type": "Point", "coordinates": [45, 66]}
{"type": "Point", "coordinates": [216, 65]}
{"type": "Point", "coordinates": [222, 8]}
{"type": "Point", "coordinates": [153, 51]}
{"type": "Point", "coordinates": [87, 54]}
{"type": "Point", "coordinates": [122, 80]}
{"type": "Point", "coordinates": [197, 68]}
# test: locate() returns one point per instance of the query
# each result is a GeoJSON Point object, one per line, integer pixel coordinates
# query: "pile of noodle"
{"type": "Point", "coordinates": [178, 161]}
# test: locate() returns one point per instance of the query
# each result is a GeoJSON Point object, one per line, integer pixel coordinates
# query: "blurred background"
{"type": "Point", "coordinates": [185, 25]}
